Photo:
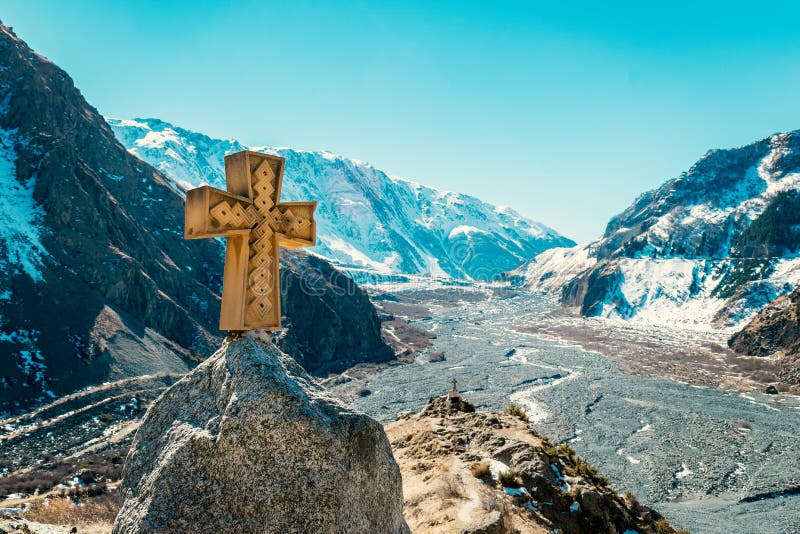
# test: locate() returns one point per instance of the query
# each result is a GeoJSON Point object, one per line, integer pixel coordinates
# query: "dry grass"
{"type": "Point", "coordinates": [451, 487]}
{"type": "Point", "coordinates": [481, 470]}
{"type": "Point", "coordinates": [95, 468]}
{"type": "Point", "coordinates": [509, 479]}
{"type": "Point", "coordinates": [663, 527]}
{"type": "Point", "coordinates": [64, 511]}
{"type": "Point", "coordinates": [515, 410]}
{"type": "Point", "coordinates": [588, 472]}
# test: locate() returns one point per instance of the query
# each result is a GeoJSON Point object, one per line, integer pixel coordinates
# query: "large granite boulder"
{"type": "Point", "coordinates": [248, 442]}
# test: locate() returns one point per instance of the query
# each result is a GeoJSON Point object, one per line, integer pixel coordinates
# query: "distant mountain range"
{"type": "Point", "coordinates": [709, 248]}
{"type": "Point", "coordinates": [367, 219]}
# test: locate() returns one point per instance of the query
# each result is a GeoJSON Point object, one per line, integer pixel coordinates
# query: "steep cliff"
{"type": "Point", "coordinates": [775, 331]}
{"type": "Point", "coordinates": [331, 323]}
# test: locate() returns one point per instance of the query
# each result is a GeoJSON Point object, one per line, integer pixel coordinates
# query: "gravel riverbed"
{"type": "Point", "coordinates": [709, 459]}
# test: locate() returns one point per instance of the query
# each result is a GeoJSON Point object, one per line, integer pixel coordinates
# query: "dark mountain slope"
{"type": "Point", "coordinates": [332, 325]}
{"type": "Point", "coordinates": [775, 330]}
{"type": "Point", "coordinates": [96, 280]}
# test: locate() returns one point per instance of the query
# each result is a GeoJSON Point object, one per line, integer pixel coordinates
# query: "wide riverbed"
{"type": "Point", "coordinates": [709, 460]}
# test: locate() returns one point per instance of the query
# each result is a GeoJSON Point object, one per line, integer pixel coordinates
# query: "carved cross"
{"type": "Point", "coordinates": [255, 223]}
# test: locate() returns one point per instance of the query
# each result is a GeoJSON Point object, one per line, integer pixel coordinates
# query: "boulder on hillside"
{"type": "Point", "coordinates": [248, 442]}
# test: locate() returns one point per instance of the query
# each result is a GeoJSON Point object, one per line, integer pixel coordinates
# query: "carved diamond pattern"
{"type": "Point", "coordinates": [266, 223]}
{"type": "Point", "coordinates": [262, 245]}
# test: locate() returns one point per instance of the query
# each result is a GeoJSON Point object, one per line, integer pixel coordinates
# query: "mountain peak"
{"type": "Point", "coordinates": [712, 245]}
{"type": "Point", "coordinates": [367, 219]}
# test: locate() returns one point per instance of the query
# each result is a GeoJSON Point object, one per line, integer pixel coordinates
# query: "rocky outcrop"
{"type": "Point", "coordinates": [96, 280]}
{"type": "Point", "coordinates": [487, 472]}
{"type": "Point", "coordinates": [596, 289]}
{"type": "Point", "coordinates": [248, 442]}
{"type": "Point", "coordinates": [775, 330]}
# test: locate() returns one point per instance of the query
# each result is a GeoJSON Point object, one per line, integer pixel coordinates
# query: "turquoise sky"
{"type": "Point", "coordinates": [564, 111]}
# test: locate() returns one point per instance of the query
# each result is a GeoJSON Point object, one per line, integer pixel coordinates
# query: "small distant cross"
{"type": "Point", "coordinates": [454, 384]}
{"type": "Point", "coordinates": [255, 224]}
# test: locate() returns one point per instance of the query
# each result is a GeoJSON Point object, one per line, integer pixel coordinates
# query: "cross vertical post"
{"type": "Point", "coordinates": [255, 224]}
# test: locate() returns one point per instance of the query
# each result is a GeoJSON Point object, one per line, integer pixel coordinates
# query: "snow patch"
{"type": "Point", "coordinates": [21, 229]}
{"type": "Point", "coordinates": [551, 269]}
{"type": "Point", "coordinates": [684, 472]}
{"type": "Point", "coordinates": [355, 255]}
{"type": "Point", "coordinates": [465, 230]}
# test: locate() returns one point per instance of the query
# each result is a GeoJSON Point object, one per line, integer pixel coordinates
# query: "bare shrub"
{"type": "Point", "coordinates": [92, 467]}
{"type": "Point", "coordinates": [588, 472]}
{"type": "Point", "coordinates": [106, 417]}
{"type": "Point", "coordinates": [62, 510]}
{"type": "Point", "coordinates": [515, 410]}
{"type": "Point", "coordinates": [509, 479]}
{"type": "Point", "coordinates": [566, 451]}
{"type": "Point", "coordinates": [451, 487]}
{"type": "Point", "coordinates": [663, 527]}
{"type": "Point", "coordinates": [481, 470]}
{"type": "Point", "coordinates": [466, 407]}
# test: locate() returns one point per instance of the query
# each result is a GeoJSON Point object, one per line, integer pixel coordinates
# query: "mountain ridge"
{"type": "Point", "coordinates": [706, 249]}
{"type": "Point", "coordinates": [366, 218]}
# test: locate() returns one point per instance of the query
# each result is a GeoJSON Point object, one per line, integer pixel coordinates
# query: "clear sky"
{"type": "Point", "coordinates": [564, 111]}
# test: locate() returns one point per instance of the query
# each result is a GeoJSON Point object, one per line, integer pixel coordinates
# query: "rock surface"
{"type": "Point", "coordinates": [249, 441]}
{"type": "Point", "coordinates": [775, 331]}
{"type": "Point", "coordinates": [491, 523]}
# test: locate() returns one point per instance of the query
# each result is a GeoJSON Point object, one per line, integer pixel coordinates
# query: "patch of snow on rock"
{"type": "Point", "coordinates": [21, 229]}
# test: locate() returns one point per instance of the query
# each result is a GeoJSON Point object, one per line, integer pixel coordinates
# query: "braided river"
{"type": "Point", "coordinates": [710, 460]}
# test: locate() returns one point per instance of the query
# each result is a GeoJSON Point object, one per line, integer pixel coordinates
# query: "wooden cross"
{"type": "Point", "coordinates": [255, 223]}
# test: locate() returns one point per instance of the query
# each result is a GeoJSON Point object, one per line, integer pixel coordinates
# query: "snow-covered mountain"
{"type": "Point", "coordinates": [366, 219]}
{"type": "Point", "coordinates": [708, 248]}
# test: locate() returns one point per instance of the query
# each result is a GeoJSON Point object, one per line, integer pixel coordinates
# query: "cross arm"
{"type": "Point", "coordinates": [211, 212]}
{"type": "Point", "coordinates": [297, 227]}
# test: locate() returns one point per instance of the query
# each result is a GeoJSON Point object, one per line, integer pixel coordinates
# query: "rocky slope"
{"type": "Point", "coordinates": [435, 449]}
{"type": "Point", "coordinates": [96, 280]}
{"type": "Point", "coordinates": [488, 472]}
{"type": "Point", "coordinates": [330, 322]}
{"type": "Point", "coordinates": [366, 219]}
{"type": "Point", "coordinates": [708, 248]}
{"type": "Point", "coordinates": [775, 331]}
